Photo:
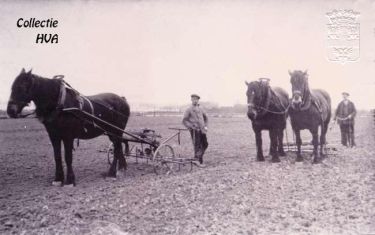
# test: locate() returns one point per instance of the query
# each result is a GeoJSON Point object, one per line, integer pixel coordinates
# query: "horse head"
{"type": "Point", "coordinates": [256, 95]}
{"type": "Point", "coordinates": [300, 87]}
{"type": "Point", "coordinates": [21, 94]}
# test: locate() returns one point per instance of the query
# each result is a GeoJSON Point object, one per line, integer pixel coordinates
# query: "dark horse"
{"type": "Point", "coordinates": [309, 110]}
{"type": "Point", "coordinates": [267, 110]}
{"type": "Point", "coordinates": [50, 96]}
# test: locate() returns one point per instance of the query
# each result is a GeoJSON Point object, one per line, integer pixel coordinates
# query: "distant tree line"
{"type": "Point", "coordinates": [212, 109]}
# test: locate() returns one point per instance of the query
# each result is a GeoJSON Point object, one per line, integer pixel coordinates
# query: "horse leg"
{"type": "Point", "coordinates": [258, 141]}
{"type": "Point", "coordinates": [323, 138]}
{"type": "Point", "coordinates": [314, 133]}
{"type": "Point", "coordinates": [270, 148]}
{"type": "Point", "coordinates": [113, 168]}
{"type": "Point", "coordinates": [272, 145]}
{"type": "Point", "coordinates": [273, 138]}
{"type": "Point", "coordinates": [68, 149]}
{"type": "Point", "coordinates": [120, 154]}
{"type": "Point", "coordinates": [280, 147]}
{"type": "Point", "coordinates": [299, 143]}
{"type": "Point", "coordinates": [126, 143]}
{"type": "Point", "coordinates": [59, 173]}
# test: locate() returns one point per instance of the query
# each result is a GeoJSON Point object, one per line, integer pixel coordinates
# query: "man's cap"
{"type": "Point", "coordinates": [195, 96]}
{"type": "Point", "coordinates": [345, 93]}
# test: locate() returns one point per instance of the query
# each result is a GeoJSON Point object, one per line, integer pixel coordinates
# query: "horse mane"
{"type": "Point", "coordinates": [45, 92]}
{"type": "Point", "coordinates": [307, 99]}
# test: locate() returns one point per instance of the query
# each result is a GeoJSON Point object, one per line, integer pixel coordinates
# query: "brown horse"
{"type": "Point", "coordinates": [50, 97]}
{"type": "Point", "coordinates": [267, 110]}
{"type": "Point", "coordinates": [309, 110]}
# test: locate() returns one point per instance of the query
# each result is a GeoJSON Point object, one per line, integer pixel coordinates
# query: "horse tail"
{"type": "Point", "coordinates": [329, 108]}
{"type": "Point", "coordinates": [124, 109]}
{"type": "Point", "coordinates": [329, 111]}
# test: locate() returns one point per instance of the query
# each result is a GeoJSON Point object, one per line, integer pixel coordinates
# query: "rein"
{"type": "Point", "coordinates": [274, 112]}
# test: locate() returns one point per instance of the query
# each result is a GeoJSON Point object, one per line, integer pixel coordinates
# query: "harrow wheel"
{"type": "Point", "coordinates": [110, 152]}
{"type": "Point", "coordinates": [163, 160]}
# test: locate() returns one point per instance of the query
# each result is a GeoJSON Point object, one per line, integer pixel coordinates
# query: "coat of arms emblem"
{"type": "Point", "coordinates": [343, 37]}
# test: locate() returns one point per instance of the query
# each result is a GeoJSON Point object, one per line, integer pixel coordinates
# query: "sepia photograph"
{"type": "Point", "coordinates": [187, 117]}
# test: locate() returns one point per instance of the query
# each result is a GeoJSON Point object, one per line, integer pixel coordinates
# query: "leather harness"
{"type": "Point", "coordinates": [62, 96]}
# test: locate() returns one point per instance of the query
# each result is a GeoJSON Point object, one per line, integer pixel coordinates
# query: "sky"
{"type": "Point", "coordinates": [159, 52]}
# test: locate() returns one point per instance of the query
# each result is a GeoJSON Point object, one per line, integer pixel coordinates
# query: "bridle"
{"type": "Point", "coordinates": [306, 100]}
{"type": "Point", "coordinates": [21, 103]}
{"type": "Point", "coordinates": [298, 93]}
{"type": "Point", "coordinates": [267, 110]}
{"type": "Point", "coordinates": [284, 111]}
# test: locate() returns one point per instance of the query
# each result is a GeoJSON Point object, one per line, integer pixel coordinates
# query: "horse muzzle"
{"type": "Point", "coordinates": [252, 113]}
{"type": "Point", "coordinates": [297, 98]}
{"type": "Point", "coordinates": [13, 110]}
{"type": "Point", "coordinates": [252, 116]}
{"type": "Point", "coordinates": [296, 103]}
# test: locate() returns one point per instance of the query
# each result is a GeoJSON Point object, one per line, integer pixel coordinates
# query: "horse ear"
{"type": "Point", "coordinates": [305, 73]}
{"type": "Point", "coordinates": [247, 84]}
{"type": "Point", "coordinates": [290, 73]}
{"type": "Point", "coordinates": [30, 71]}
{"type": "Point", "coordinates": [23, 70]}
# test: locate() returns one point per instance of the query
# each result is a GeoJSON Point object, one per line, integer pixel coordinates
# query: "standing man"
{"type": "Point", "coordinates": [345, 114]}
{"type": "Point", "coordinates": [195, 119]}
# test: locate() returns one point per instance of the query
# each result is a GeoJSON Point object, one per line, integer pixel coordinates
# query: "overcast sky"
{"type": "Point", "coordinates": [162, 51]}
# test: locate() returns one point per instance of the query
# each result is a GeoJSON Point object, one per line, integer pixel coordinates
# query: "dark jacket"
{"type": "Point", "coordinates": [345, 114]}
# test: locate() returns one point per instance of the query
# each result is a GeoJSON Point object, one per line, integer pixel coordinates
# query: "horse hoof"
{"type": "Point", "coordinates": [69, 185]}
{"type": "Point", "coordinates": [111, 175]}
{"type": "Point", "coordinates": [120, 173]}
{"type": "Point", "coordinates": [260, 159]}
{"type": "Point", "coordinates": [57, 183]}
{"type": "Point", "coordinates": [282, 154]}
{"type": "Point", "coordinates": [316, 161]}
{"type": "Point", "coordinates": [275, 160]}
{"type": "Point", "coordinates": [110, 178]}
{"type": "Point", "coordinates": [299, 159]}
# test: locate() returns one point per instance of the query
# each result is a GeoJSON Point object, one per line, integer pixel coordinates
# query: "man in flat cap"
{"type": "Point", "coordinates": [345, 114]}
{"type": "Point", "coordinates": [195, 119]}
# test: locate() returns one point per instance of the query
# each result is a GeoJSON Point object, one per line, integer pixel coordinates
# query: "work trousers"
{"type": "Point", "coordinates": [200, 144]}
{"type": "Point", "coordinates": [347, 135]}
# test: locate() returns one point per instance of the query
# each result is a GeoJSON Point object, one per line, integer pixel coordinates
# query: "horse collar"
{"type": "Point", "coordinates": [307, 102]}
{"type": "Point", "coordinates": [62, 96]}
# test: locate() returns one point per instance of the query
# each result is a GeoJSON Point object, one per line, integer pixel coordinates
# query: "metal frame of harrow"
{"type": "Point", "coordinates": [162, 163]}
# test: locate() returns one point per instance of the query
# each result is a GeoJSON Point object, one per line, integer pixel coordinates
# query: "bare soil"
{"type": "Point", "coordinates": [234, 194]}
